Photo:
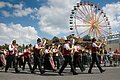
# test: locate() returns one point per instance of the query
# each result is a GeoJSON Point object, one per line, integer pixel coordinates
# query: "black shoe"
{"type": "Point", "coordinates": [75, 73]}
{"type": "Point", "coordinates": [83, 70]}
{"type": "Point", "coordinates": [89, 72]}
{"type": "Point", "coordinates": [23, 69]}
{"type": "Point", "coordinates": [17, 71]}
{"type": "Point", "coordinates": [42, 72]}
{"type": "Point", "coordinates": [32, 72]}
{"type": "Point", "coordinates": [102, 71]}
{"type": "Point", "coordinates": [60, 74]}
{"type": "Point", "coordinates": [5, 70]}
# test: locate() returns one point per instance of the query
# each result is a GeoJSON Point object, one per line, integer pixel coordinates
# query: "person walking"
{"type": "Point", "coordinates": [12, 56]}
{"type": "Point", "coordinates": [37, 56]}
{"type": "Point", "coordinates": [95, 47]}
{"type": "Point", "coordinates": [77, 57]}
{"type": "Point", "coordinates": [27, 58]}
{"type": "Point", "coordinates": [67, 57]}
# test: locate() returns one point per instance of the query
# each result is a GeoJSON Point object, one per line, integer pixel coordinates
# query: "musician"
{"type": "Point", "coordinates": [37, 56]}
{"type": "Point", "coordinates": [12, 56]}
{"type": "Point", "coordinates": [56, 57]}
{"type": "Point", "coordinates": [2, 58]}
{"type": "Point", "coordinates": [68, 58]}
{"type": "Point", "coordinates": [27, 54]}
{"type": "Point", "coordinates": [95, 48]}
{"type": "Point", "coordinates": [48, 59]}
{"type": "Point", "coordinates": [77, 57]}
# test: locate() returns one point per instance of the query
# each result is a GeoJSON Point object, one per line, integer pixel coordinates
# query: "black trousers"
{"type": "Point", "coordinates": [77, 61]}
{"type": "Point", "coordinates": [95, 59]}
{"type": "Point", "coordinates": [9, 60]}
{"type": "Point", "coordinates": [68, 59]}
{"type": "Point", "coordinates": [56, 59]}
{"type": "Point", "coordinates": [29, 64]}
{"type": "Point", "coordinates": [37, 62]}
{"type": "Point", "coordinates": [20, 61]}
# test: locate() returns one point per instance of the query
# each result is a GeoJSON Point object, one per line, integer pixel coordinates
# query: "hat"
{"type": "Point", "coordinates": [14, 41]}
{"type": "Point", "coordinates": [76, 43]}
{"type": "Point", "coordinates": [26, 46]}
{"type": "Point", "coordinates": [93, 39]}
{"type": "Point", "coordinates": [38, 40]}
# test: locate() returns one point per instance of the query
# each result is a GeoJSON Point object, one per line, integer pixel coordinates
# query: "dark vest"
{"type": "Point", "coordinates": [94, 49]}
{"type": "Point", "coordinates": [66, 52]}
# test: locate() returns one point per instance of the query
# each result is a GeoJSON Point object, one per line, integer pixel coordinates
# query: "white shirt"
{"type": "Point", "coordinates": [110, 53]}
{"type": "Point", "coordinates": [66, 46]}
{"type": "Point", "coordinates": [11, 47]}
{"type": "Point", "coordinates": [46, 51]}
{"type": "Point", "coordinates": [36, 46]}
{"type": "Point", "coordinates": [94, 45]}
{"type": "Point", "coordinates": [77, 48]}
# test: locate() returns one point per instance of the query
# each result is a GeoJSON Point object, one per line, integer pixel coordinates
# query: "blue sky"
{"type": "Point", "coordinates": [38, 14]}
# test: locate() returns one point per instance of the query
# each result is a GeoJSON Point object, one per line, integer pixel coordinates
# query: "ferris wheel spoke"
{"type": "Point", "coordinates": [87, 25]}
{"type": "Point", "coordinates": [104, 26]}
{"type": "Point", "coordinates": [101, 21]}
{"type": "Point", "coordinates": [83, 14]}
{"type": "Point", "coordinates": [84, 31]}
{"type": "Point", "coordinates": [81, 19]}
{"type": "Point", "coordinates": [84, 11]}
{"type": "Point", "coordinates": [87, 10]}
{"type": "Point", "coordinates": [99, 15]}
{"type": "Point", "coordinates": [98, 31]}
{"type": "Point", "coordinates": [104, 31]}
{"type": "Point", "coordinates": [91, 9]}
{"type": "Point", "coordinates": [90, 31]}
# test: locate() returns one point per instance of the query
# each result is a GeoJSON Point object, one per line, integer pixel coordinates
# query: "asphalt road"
{"type": "Point", "coordinates": [111, 73]}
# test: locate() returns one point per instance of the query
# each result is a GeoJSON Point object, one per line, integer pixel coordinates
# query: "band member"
{"type": "Point", "coordinates": [56, 57]}
{"type": "Point", "coordinates": [95, 48]}
{"type": "Point", "coordinates": [48, 59]}
{"type": "Point", "coordinates": [77, 57]}
{"type": "Point", "coordinates": [2, 58]}
{"type": "Point", "coordinates": [27, 58]}
{"type": "Point", "coordinates": [20, 58]}
{"type": "Point", "coordinates": [37, 56]}
{"type": "Point", "coordinates": [67, 57]}
{"type": "Point", "coordinates": [12, 56]}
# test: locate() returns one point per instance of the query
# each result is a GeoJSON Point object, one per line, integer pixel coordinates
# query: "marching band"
{"type": "Point", "coordinates": [49, 57]}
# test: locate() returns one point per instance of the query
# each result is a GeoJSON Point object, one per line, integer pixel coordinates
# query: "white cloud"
{"type": "Point", "coordinates": [113, 12]}
{"type": "Point", "coordinates": [7, 4]}
{"type": "Point", "coordinates": [18, 6]}
{"type": "Point", "coordinates": [18, 9]}
{"type": "Point", "coordinates": [22, 12]}
{"type": "Point", "coordinates": [54, 18]}
{"type": "Point", "coordinates": [2, 4]}
{"type": "Point", "coordinates": [5, 13]}
{"type": "Point", "coordinates": [22, 34]}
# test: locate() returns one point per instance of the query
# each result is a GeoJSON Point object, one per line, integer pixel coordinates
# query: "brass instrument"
{"type": "Point", "coordinates": [73, 42]}
{"type": "Point", "coordinates": [43, 45]}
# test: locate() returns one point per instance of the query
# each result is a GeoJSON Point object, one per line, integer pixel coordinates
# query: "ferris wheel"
{"type": "Point", "coordinates": [88, 19]}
